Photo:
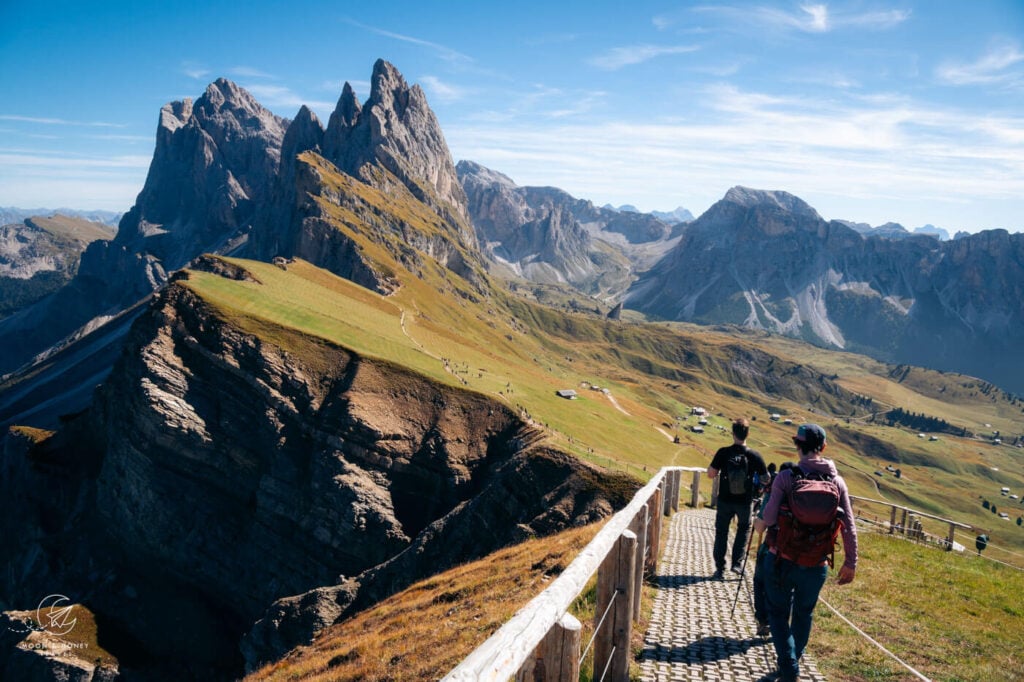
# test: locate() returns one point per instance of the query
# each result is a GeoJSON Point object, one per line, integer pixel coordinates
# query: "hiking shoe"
{"type": "Point", "coordinates": [737, 570]}
{"type": "Point", "coordinates": [763, 630]}
{"type": "Point", "coordinates": [718, 575]}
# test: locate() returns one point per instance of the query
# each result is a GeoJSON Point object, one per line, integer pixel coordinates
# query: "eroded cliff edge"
{"type": "Point", "coordinates": [219, 470]}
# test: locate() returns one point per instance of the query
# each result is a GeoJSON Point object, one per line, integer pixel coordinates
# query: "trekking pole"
{"type": "Point", "coordinates": [743, 566]}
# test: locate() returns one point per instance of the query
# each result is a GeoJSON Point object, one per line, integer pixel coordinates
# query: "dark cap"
{"type": "Point", "coordinates": [811, 435]}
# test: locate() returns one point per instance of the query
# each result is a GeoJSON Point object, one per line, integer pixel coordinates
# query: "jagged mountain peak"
{"type": "Point", "coordinates": [305, 133]}
{"type": "Point", "coordinates": [346, 113]}
{"type": "Point", "coordinates": [389, 89]}
{"type": "Point", "coordinates": [396, 129]}
{"type": "Point", "coordinates": [753, 198]}
{"type": "Point", "coordinates": [223, 99]}
{"type": "Point", "coordinates": [474, 172]}
{"type": "Point", "coordinates": [174, 115]}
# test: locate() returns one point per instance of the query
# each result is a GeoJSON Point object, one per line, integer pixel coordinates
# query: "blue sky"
{"type": "Point", "coordinates": [905, 111]}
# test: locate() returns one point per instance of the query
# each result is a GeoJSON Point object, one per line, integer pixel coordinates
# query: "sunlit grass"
{"type": "Point", "coordinates": [951, 616]}
{"type": "Point", "coordinates": [426, 630]}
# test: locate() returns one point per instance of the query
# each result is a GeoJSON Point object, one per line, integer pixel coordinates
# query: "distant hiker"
{"type": "Point", "coordinates": [808, 507]}
{"type": "Point", "coordinates": [738, 466]}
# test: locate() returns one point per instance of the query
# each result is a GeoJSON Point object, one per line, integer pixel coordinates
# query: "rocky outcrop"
{"type": "Point", "coordinates": [30, 654]}
{"type": "Point", "coordinates": [767, 260]}
{"type": "Point", "coordinates": [40, 255]}
{"type": "Point", "coordinates": [211, 172]}
{"type": "Point", "coordinates": [396, 129]}
{"type": "Point", "coordinates": [533, 494]}
{"type": "Point", "coordinates": [218, 472]}
{"type": "Point", "coordinates": [41, 244]}
{"type": "Point", "coordinates": [380, 173]}
{"type": "Point", "coordinates": [543, 234]}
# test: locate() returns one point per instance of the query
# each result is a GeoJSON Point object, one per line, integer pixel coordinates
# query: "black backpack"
{"type": "Point", "coordinates": [737, 473]}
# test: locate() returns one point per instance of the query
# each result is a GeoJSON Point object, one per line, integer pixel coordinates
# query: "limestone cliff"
{"type": "Point", "coordinates": [543, 234]}
{"type": "Point", "coordinates": [380, 173]}
{"type": "Point", "coordinates": [211, 171]}
{"type": "Point", "coordinates": [767, 260]}
{"type": "Point", "coordinates": [40, 255]}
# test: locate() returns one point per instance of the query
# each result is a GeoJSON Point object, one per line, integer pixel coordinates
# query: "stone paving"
{"type": "Point", "coordinates": [693, 633]}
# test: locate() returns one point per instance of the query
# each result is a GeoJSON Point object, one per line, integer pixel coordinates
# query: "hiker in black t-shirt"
{"type": "Point", "coordinates": [738, 465]}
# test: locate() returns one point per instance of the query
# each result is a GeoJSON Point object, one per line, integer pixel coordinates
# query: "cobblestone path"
{"type": "Point", "coordinates": [693, 634]}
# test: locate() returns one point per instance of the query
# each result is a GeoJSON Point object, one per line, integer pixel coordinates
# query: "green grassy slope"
{"type": "Point", "coordinates": [522, 353]}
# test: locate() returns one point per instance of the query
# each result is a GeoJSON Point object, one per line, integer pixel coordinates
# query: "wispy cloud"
{"type": "Point", "coordinates": [123, 138]}
{"type": "Point", "coordinates": [194, 70]}
{"type": "Point", "coordinates": [442, 91]}
{"type": "Point", "coordinates": [995, 66]}
{"type": "Point", "coordinates": [442, 51]}
{"type": "Point", "coordinates": [28, 159]}
{"type": "Point", "coordinates": [849, 150]}
{"type": "Point", "coordinates": [249, 72]}
{"type": "Point", "coordinates": [581, 104]}
{"type": "Point", "coordinates": [551, 39]}
{"type": "Point", "coordinates": [810, 18]}
{"type": "Point", "coordinates": [284, 98]}
{"type": "Point", "coordinates": [618, 57]}
{"type": "Point", "coordinates": [59, 121]}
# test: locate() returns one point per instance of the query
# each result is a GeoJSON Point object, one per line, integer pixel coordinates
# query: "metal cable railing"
{"type": "Point", "coordinates": [544, 634]}
{"type": "Point", "coordinates": [597, 628]}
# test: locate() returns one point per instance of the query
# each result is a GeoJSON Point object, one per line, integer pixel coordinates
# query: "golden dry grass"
{"type": "Point", "coordinates": [426, 630]}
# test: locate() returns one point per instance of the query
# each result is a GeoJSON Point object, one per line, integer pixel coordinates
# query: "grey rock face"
{"type": "Point", "coordinates": [767, 260]}
{"type": "Point", "coordinates": [396, 129]}
{"type": "Point", "coordinates": [212, 168]}
{"type": "Point", "coordinates": [381, 169]}
{"type": "Point", "coordinates": [214, 163]}
{"type": "Point", "coordinates": [41, 244]}
{"type": "Point", "coordinates": [217, 472]}
{"type": "Point", "coordinates": [40, 255]}
{"type": "Point", "coordinates": [545, 235]}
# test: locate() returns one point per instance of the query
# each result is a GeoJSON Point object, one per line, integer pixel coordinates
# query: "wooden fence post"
{"type": "Point", "coordinates": [557, 657]}
{"type": "Point", "coordinates": [639, 526]}
{"type": "Point", "coordinates": [695, 490]}
{"type": "Point", "coordinates": [614, 596]}
{"type": "Point", "coordinates": [666, 491]}
{"type": "Point", "coordinates": [654, 529]}
{"type": "Point", "coordinates": [892, 521]}
{"type": "Point", "coordinates": [676, 477]}
{"type": "Point", "coordinates": [949, 539]}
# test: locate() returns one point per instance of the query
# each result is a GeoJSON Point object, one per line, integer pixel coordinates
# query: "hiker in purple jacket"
{"type": "Point", "coordinates": [793, 582]}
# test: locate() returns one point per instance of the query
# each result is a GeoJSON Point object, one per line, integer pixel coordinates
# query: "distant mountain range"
{"type": "Point", "coordinates": [542, 234]}
{"type": "Point", "coordinates": [767, 260]}
{"type": "Point", "coordinates": [12, 214]}
{"type": "Point", "coordinates": [39, 255]}
{"type": "Point", "coordinates": [228, 176]}
{"type": "Point", "coordinates": [257, 446]}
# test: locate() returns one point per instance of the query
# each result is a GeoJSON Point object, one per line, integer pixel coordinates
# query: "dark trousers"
{"type": "Point", "coordinates": [760, 599]}
{"type": "Point", "coordinates": [792, 592]}
{"type": "Point", "coordinates": [723, 518]}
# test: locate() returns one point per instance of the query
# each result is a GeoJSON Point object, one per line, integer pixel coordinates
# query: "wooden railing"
{"type": "Point", "coordinates": [542, 641]}
{"type": "Point", "coordinates": [902, 526]}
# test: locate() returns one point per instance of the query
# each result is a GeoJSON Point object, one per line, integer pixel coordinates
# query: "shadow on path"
{"type": "Point", "coordinates": [704, 650]}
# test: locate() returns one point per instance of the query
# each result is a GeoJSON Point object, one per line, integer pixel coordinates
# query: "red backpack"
{"type": "Point", "coordinates": [809, 519]}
